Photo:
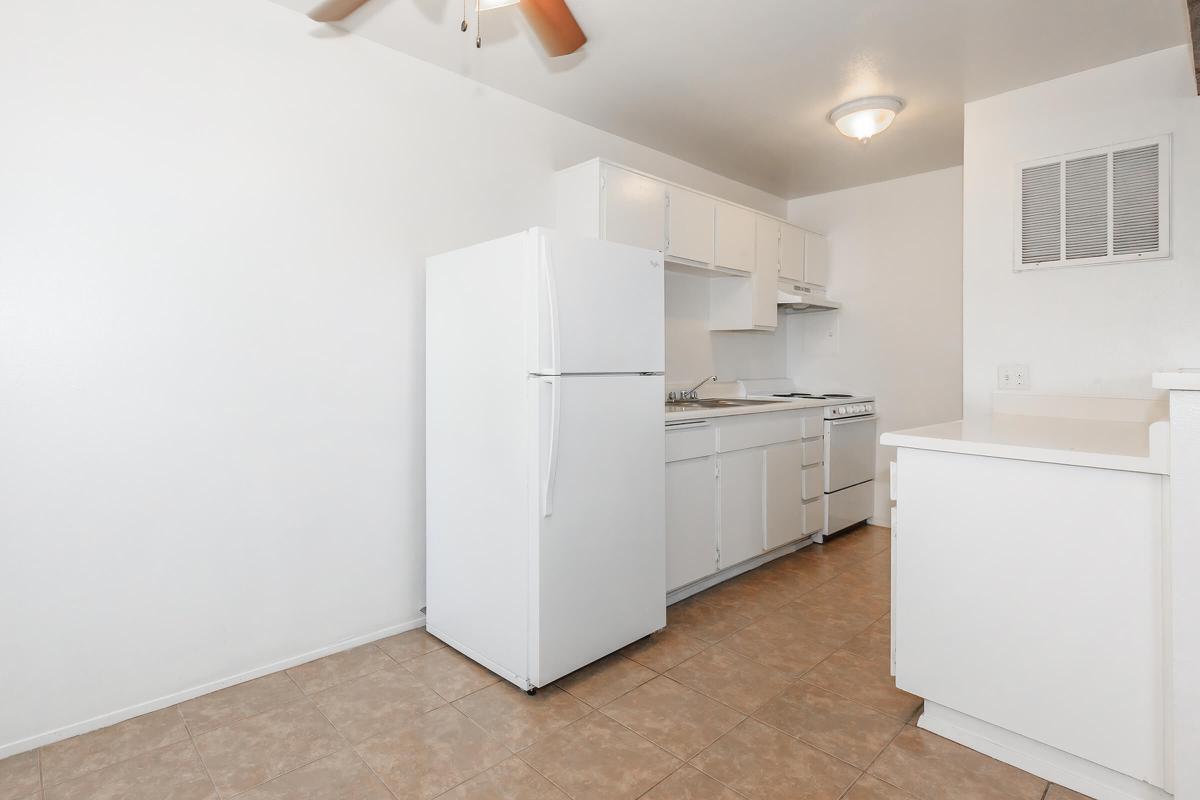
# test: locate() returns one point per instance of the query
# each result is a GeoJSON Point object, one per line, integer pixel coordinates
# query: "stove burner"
{"type": "Point", "coordinates": [793, 394]}
{"type": "Point", "coordinates": [836, 396]}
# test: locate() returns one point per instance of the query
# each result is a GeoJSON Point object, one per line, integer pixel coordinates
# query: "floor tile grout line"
{"type": "Point", "coordinates": [304, 698]}
{"type": "Point", "coordinates": [41, 770]}
{"type": "Point", "coordinates": [804, 741]}
{"type": "Point", "coordinates": [688, 765]}
{"type": "Point", "coordinates": [354, 749]}
{"type": "Point", "coordinates": [550, 780]}
{"type": "Point", "coordinates": [199, 755]}
{"type": "Point", "coordinates": [887, 714]}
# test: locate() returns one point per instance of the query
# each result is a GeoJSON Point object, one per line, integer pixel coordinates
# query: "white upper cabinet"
{"type": "Point", "coordinates": [735, 238]}
{"type": "Point", "coordinates": [765, 281]}
{"type": "Point", "coordinates": [742, 251]}
{"type": "Point", "coordinates": [691, 224]}
{"type": "Point", "coordinates": [632, 208]}
{"type": "Point", "coordinates": [791, 253]}
{"type": "Point", "coordinates": [816, 259]}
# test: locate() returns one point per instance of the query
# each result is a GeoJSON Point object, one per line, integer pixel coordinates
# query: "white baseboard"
{"type": "Point", "coordinates": [684, 592]}
{"type": "Point", "coordinates": [1032, 756]}
{"type": "Point", "coordinates": [129, 712]}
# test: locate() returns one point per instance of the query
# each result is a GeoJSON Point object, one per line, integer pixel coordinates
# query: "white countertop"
{"type": "Point", "coordinates": [1105, 444]}
{"type": "Point", "coordinates": [707, 413]}
{"type": "Point", "coordinates": [1178, 380]}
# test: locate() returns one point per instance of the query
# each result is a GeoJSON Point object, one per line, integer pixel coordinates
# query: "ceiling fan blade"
{"type": "Point", "coordinates": [555, 25]}
{"type": "Point", "coordinates": [335, 10]}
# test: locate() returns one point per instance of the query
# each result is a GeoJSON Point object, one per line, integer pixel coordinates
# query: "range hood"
{"type": "Point", "coordinates": [796, 298]}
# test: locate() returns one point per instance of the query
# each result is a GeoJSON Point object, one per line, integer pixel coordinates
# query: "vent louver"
{"type": "Point", "coordinates": [1041, 213]}
{"type": "Point", "coordinates": [1087, 207]}
{"type": "Point", "coordinates": [1095, 207]}
{"type": "Point", "coordinates": [1135, 200]}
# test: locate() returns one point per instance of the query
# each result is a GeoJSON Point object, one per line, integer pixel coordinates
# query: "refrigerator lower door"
{"type": "Point", "coordinates": [599, 560]}
{"type": "Point", "coordinates": [600, 306]}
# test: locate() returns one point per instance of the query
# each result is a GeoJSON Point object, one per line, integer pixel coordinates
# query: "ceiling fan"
{"type": "Point", "coordinates": [551, 20]}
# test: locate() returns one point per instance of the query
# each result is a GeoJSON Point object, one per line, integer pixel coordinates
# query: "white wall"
{"type": "Point", "coordinates": [896, 267]}
{"type": "Point", "coordinates": [211, 401]}
{"type": "Point", "coordinates": [1084, 330]}
{"type": "Point", "coordinates": [694, 352]}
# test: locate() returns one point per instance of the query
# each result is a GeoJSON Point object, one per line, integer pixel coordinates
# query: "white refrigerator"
{"type": "Point", "coordinates": [545, 498]}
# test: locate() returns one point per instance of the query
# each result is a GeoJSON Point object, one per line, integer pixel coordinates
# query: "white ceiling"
{"type": "Point", "coordinates": [742, 87]}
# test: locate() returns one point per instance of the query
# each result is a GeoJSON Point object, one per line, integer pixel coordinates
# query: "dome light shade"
{"type": "Point", "coordinates": [863, 118]}
{"type": "Point", "coordinates": [488, 5]}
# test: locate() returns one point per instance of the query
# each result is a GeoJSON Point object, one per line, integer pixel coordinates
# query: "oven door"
{"type": "Point", "coordinates": [849, 452]}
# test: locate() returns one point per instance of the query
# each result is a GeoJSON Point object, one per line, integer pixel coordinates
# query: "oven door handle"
{"type": "Point", "coordinates": [868, 418]}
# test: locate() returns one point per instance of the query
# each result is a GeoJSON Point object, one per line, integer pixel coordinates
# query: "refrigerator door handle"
{"type": "Point", "coordinates": [552, 463]}
{"type": "Point", "coordinates": [552, 304]}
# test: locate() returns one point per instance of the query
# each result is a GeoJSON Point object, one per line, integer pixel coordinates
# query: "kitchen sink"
{"type": "Point", "coordinates": [716, 402]}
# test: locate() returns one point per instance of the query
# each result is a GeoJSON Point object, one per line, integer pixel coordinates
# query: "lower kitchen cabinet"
{"type": "Point", "coordinates": [691, 520]}
{"type": "Point", "coordinates": [784, 503]}
{"type": "Point", "coordinates": [741, 485]}
{"type": "Point", "coordinates": [737, 487]}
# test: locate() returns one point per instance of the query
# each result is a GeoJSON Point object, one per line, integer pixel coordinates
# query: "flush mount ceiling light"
{"type": "Point", "coordinates": [863, 118]}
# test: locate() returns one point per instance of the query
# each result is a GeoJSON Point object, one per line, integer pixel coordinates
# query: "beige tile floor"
{"type": "Point", "coordinates": [772, 685]}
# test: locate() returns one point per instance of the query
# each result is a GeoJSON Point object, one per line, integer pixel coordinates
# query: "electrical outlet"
{"type": "Point", "coordinates": [1012, 376]}
{"type": "Point", "coordinates": [1020, 376]}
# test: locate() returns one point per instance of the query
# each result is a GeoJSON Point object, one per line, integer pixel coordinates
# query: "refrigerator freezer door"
{"type": "Point", "coordinates": [600, 306]}
{"type": "Point", "coordinates": [599, 492]}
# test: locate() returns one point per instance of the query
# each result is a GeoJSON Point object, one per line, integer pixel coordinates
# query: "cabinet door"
{"type": "Point", "coordinates": [741, 499]}
{"type": "Point", "coordinates": [735, 238]}
{"type": "Point", "coordinates": [812, 482]}
{"type": "Point", "coordinates": [691, 520]}
{"type": "Point", "coordinates": [791, 253]}
{"type": "Point", "coordinates": [691, 222]}
{"type": "Point", "coordinates": [816, 259]}
{"type": "Point", "coordinates": [765, 280]}
{"type": "Point", "coordinates": [785, 506]}
{"type": "Point", "coordinates": [634, 208]}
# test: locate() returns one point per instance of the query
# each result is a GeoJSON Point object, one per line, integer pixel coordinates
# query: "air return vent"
{"type": "Point", "coordinates": [1097, 207]}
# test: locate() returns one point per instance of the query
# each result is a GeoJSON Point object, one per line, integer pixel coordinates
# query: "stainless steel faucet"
{"type": "Point", "coordinates": [689, 394]}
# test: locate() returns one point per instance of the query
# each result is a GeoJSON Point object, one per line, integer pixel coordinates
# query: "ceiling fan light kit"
{"type": "Point", "coordinates": [551, 20]}
{"type": "Point", "coordinates": [863, 118]}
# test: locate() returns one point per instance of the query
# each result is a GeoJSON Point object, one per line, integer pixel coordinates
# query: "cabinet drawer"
{"type": "Point", "coordinates": [814, 515]}
{"type": "Point", "coordinates": [812, 482]}
{"type": "Point", "coordinates": [813, 450]}
{"type": "Point", "coordinates": [691, 440]}
{"type": "Point", "coordinates": [759, 430]}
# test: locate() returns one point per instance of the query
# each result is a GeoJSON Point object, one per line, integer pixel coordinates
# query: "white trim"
{"type": "Point", "coordinates": [1032, 756]}
{"type": "Point", "coordinates": [684, 592]}
{"type": "Point", "coordinates": [166, 701]}
{"type": "Point", "coordinates": [1164, 206]}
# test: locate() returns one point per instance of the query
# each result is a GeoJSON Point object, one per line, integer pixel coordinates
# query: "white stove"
{"type": "Point", "coordinates": [849, 448]}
